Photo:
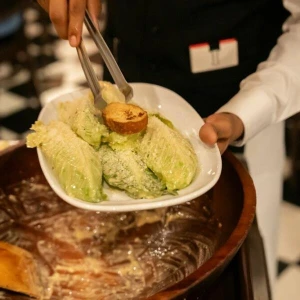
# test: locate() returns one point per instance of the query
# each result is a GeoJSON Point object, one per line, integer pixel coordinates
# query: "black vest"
{"type": "Point", "coordinates": [151, 39]}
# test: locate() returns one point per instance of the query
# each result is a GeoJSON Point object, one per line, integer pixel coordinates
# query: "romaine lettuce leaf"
{"type": "Point", "coordinates": [164, 120]}
{"type": "Point", "coordinates": [168, 154]}
{"type": "Point", "coordinates": [125, 170]}
{"type": "Point", "coordinates": [123, 141]}
{"type": "Point", "coordinates": [80, 115]}
{"type": "Point", "coordinates": [75, 163]}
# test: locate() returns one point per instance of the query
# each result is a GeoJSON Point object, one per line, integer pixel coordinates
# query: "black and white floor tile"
{"type": "Point", "coordinates": [57, 71]}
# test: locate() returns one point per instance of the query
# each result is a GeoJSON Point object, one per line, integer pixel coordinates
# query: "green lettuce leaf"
{"type": "Point", "coordinates": [80, 115]}
{"type": "Point", "coordinates": [125, 170]}
{"type": "Point", "coordinates": [168, 154]}
{"type": "Point", "coordinates": [75, 163]}
{"type": "Point", "coordinates": [164, 120]}
{"type": "Point", "coordinates": [123, 141]}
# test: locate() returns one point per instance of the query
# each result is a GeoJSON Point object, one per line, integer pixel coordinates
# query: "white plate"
{"type": "Point", "coordinates": [153, 98]}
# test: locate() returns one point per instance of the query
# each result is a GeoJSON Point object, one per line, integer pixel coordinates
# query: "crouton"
{"type": "Point", "coordinates": [124, 118]}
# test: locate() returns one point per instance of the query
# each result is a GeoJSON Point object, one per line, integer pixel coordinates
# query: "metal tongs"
{"type": "Point", "coordinates": [109, 60]}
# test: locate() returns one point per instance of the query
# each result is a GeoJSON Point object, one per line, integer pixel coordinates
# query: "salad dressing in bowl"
{"type": "Point", "coordinates": [97, 255]}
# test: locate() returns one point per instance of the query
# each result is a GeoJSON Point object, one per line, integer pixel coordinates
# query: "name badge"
{"type": "Point", "coordinates": [207, 57]}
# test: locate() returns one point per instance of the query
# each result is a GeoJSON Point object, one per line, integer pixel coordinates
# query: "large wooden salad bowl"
{"type": "Point", "coordinates": [225, 216]}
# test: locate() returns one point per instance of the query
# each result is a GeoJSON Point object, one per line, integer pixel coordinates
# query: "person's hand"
{"type": "Point", "coordinates": [67, 16]}
{"type": "Point", "coordinates": [221, 128]}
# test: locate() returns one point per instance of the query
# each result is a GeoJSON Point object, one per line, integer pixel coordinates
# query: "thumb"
{"type": "Point", "coordinates": [208, 134]}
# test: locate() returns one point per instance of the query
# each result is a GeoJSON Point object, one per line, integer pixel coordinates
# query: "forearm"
{"type": "Point", "coordinates": [272, 93]}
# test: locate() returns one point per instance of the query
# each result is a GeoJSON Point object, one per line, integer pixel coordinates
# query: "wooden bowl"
{"type": "Point", "coordinates": [232, 200]}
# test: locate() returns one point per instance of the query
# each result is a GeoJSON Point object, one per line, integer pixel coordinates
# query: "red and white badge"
{"type": "Point", "coordinates": [203, 58]}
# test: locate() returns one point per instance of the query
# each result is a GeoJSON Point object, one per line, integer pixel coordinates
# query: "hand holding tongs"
{"type": "Point", "coordinates": [109, 60]}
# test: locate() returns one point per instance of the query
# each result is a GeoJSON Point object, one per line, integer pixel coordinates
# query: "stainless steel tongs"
{"type": "Point", "coordinates": [109, 60]}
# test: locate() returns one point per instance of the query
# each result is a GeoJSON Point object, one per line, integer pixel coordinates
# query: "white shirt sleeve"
{"type": "Point", "coordinates": [272, 93]}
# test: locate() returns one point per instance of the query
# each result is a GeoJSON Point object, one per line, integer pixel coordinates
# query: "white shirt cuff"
{"type": "Point", "coordinates": [254, 107]}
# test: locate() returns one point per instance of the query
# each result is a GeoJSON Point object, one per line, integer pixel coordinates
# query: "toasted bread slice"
{"type": "Point", "coordinates": [18, 271]}
{"type": "Point", "coordinates": [125, 118]}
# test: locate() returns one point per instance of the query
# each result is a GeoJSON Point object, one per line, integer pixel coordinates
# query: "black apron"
{"type": "Point", "coordinates": [150, 40]}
